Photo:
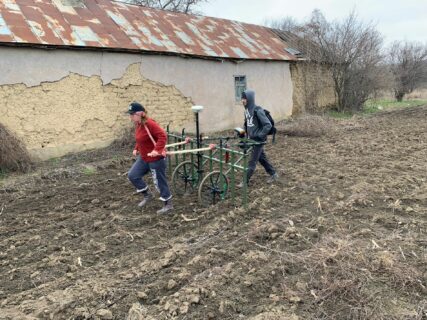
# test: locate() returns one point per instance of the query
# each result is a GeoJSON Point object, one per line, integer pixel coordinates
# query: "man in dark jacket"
{"type": "Point", "coordinates": [257, 127]}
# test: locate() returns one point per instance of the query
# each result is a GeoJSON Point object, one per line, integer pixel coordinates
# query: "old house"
{"type": "Point", "coordinates": [69, 68]}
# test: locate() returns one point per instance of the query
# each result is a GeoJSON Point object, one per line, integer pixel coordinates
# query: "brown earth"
{"type": "Point", "coordinates": [341, 236]}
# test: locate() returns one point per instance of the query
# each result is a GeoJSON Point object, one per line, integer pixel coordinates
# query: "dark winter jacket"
{"type": "Point", "coordinates": [256, 124]}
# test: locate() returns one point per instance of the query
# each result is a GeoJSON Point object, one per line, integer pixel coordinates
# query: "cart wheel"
{"type": "Point", "coordinates": [213, 188]}
{"type": "Point", "coordinates": [185, 178]}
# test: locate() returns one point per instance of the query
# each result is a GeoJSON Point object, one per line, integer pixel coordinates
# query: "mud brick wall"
{"type": "Point", "coordinates": [313, 87]}
{"type": "Point", "coordinates": [79, 112]}
{"type": "Point", "coordinates": [62, 101]}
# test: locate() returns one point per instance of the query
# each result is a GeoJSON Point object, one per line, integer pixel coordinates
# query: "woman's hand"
{"type": "Point", "coordinates": [153, 153]}
{"type": "Point", "coordinates": [135, 152]}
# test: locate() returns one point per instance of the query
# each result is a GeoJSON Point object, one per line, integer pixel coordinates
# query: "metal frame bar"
{"type": "Point", "coordinates": [217, 156]}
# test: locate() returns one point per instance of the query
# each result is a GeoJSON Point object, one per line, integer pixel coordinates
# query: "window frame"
{"type": "Point", "coordinates": [240, 82]}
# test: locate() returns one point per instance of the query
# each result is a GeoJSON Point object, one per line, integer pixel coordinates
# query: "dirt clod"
{"type": "Point", "coordinates": [341, 237]}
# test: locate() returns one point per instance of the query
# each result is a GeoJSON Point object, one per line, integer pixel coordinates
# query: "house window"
{"type": "Point", "coordinates": [239, 86]}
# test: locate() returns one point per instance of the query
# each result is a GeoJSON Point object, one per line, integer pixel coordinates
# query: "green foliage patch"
{"type": "Point", "coordinates": [377, 105]}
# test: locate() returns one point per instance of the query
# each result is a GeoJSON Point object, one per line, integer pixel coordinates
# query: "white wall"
{"type": "Point", "coordinates": [211, 84]}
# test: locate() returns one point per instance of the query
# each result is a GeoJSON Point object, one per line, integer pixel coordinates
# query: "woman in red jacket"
{"type": "Point", "coordinates": [150, 152]}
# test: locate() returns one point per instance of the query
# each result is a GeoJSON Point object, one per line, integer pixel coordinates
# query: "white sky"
{"type": "Point", "coordinates": [395, 19]}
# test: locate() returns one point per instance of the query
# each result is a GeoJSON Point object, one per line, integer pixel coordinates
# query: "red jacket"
{"type": "Point", "coordinates": [144, 145]}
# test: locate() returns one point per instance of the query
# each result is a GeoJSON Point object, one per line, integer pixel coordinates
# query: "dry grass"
{"type": "Point", "coordinates": [13, 154]}
{"type": "Point", "coordinates": [346, 278]}
{"type": "Point", "coordinates": [418, 94]}
{"type": "Point", "coordinates": [346, 284]}
{"type": "Point", "coordinates": [349, 276]}
{"type": "Point", "coordinates": [306, 125]}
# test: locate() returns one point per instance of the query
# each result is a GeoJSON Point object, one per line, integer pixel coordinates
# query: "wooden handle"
{"type": "Point", "coordinates": [186, 141]}
{"type": "Point", "coordinates": [211, 147]}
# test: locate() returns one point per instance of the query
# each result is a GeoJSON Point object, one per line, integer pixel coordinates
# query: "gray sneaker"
{"type": "Point", "coordinates": [166, 209]}
{"type": "Point", "coordinates": [241, 184]}
{"type": "Point", "coordinates": [273, 178]}
{"type": "Point", "coordinates": [147, 198]}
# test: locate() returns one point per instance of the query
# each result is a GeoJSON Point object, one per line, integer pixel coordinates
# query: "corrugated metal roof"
{"type": "Point", "coordinates": [119, 26]}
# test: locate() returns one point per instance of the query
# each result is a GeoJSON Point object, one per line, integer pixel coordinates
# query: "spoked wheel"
{"type": "Point", "coordinates": [185, 178]}
{"type": "Point", "coordinates": [213, 188]}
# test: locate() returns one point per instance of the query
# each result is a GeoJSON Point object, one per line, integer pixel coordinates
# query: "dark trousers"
{"type": "Point", "coordinates": [258, 154]}
{"type": "Point", "coordinates": [158, 169]}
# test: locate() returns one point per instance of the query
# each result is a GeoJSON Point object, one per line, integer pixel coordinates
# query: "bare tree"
{"type": "Point", "coordinates": [287, 23]}
{"type": "Point", "coordinates": [353, 50]}
{"type": "Point", "coordinates": [310, 73]}
{"type": "Point", "coordinates": [408, 65]}
{"type": "Point", "coordinates": [185, 6]}
{"type": "Point", "coordinates": [350, 48]}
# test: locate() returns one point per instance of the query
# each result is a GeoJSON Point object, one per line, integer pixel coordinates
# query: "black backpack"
{"type": "Point", "coordinates": [273, 129]}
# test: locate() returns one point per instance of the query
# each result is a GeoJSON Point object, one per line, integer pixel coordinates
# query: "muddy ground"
{"type": "Point", "coordinates": [343, 235]}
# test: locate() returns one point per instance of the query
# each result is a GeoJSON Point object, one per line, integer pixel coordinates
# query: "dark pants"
{"type": "Point", "coordinates": [258, 154]}
{"type": "Point", "coordinates": [158, 168]}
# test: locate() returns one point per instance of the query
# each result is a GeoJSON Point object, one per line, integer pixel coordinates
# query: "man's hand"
{"type": "Point", "coordinates": [135, 152]}
{"type": "Point", "coordinates": [240, 132]}
{"type": "Point", "coordinates": [153, 153]}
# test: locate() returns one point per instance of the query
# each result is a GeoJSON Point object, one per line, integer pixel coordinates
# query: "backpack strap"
{"type": "Point", "coordinates": [257, 108]}
{"type": "Point", "coordinates": [152, 139]}
{"type": "Point", "coordinates": [149, 134]}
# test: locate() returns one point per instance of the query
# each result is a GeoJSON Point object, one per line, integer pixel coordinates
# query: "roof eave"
{"type": "Point", "coordinates": [134, 51]}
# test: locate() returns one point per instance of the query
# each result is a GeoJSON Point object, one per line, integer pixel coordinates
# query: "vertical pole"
{"type": "Point", "coordinates": [210, 161]}
{"type": "Point", "coordinates": [198, 140]}
{"type": "Point", "coordinates": [176, 156]}
{"type": "Point", "coordinates": [221, 182]}
{"type": "Point", "coordinates": [233, 179]}
{"type": "Point", "coordinates": [169, 160]}
{"type": "Point", "coordinates": [245, 176]}
{"type": "Point", "coordinates": [184, 156]}
{"type": "Point", "coordinates": [193, 174]}
{"type": "Point", "coordinates": [199, 155]}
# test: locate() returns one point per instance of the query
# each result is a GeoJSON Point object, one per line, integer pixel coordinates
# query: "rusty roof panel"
{"type": "Point", "coordinates": [116, 25]}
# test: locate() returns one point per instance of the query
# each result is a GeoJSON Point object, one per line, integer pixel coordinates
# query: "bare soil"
{"type": "Point", "coordinates": [343, 235]}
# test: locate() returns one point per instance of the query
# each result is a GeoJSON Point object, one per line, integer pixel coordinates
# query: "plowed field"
{"type": "Point", "coordinates": [343, 235]}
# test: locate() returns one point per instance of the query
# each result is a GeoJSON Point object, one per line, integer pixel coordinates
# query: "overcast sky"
{"type": "Point", "coordinates": [395, 19]}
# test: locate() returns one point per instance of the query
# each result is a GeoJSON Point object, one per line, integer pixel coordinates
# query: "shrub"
{"type": "Point", "coordinates": [126, 139]}
{"type": "Point", "coordinates": [13, 154]}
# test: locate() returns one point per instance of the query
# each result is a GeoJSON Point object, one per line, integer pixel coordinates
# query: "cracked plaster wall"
{"type": "Point", "coordinates": [61, 101]}
{"type": "Point", "coordinates": [80, 107]}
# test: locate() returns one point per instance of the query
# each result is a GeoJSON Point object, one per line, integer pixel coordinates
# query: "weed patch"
{"type": "Point", "coordinates": [88, 170]}
{"type": "Point", "coordinates": [373, 106]}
